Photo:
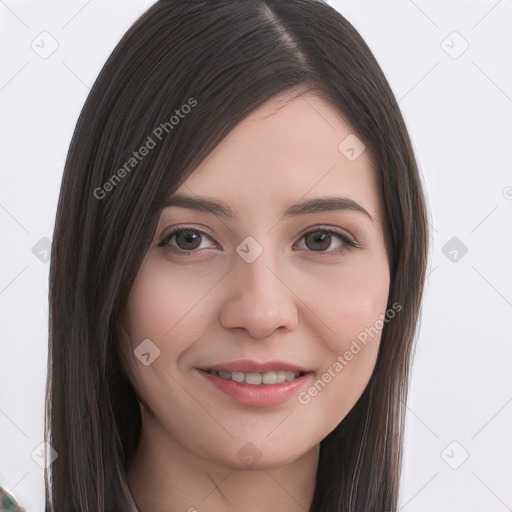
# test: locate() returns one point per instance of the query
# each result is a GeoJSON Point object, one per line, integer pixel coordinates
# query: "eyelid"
{"type": "Point", "coordinates": [348, 242]}
{"type": "Point", "coordinates": [336, 230]}
{"type": "Point", "coordinates": [347, 239]}
{"type": "Point", "coordinates": [168, 233]}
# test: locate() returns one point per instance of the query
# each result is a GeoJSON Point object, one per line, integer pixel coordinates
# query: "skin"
{"type": "Point", "coordinates": [293, 303]}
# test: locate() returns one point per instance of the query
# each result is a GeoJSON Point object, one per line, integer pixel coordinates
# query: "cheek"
{"type": "Point", "coordinates": [348, 300]}
{"type": "Point", "coordinates": [161, 304]}
{"type": "Point", "coordinates": [350, 306]}
{"type": "Point", "coordinates": [170, 309]}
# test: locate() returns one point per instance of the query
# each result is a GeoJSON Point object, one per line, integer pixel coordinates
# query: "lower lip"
{"type": "Point", "coordinates": [260, 395]}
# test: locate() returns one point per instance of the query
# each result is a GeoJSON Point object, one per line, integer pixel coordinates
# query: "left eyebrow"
{"type": "Point", "coordinates": [324, 204]}
{"type": "Point", "coordinates": [303, 207]}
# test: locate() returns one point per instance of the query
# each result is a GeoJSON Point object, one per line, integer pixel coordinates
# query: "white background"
{"type": "Point", "coordinates": [459, 115]}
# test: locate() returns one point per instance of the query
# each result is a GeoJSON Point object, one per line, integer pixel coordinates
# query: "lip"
{"type": "Point", "coordinates": [246, 365]}
{"type": "Point", "coordinates": [262, 395]}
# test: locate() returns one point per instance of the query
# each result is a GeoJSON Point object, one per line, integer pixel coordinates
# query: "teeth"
{"type": "Point", "coordinates": [237, 376]}
{"type": "Point", "coordinates": [254, 378]}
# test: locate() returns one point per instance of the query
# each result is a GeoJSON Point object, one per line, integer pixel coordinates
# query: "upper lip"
{"type": "Point", "coordinates": [245, 365]}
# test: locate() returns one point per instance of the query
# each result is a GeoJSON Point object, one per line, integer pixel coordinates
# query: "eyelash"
{"type": "Point", "coordinates": [347, 242]}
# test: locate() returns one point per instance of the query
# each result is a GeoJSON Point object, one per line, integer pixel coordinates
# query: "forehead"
{"type": "Point", "coordinates": [287, 149]}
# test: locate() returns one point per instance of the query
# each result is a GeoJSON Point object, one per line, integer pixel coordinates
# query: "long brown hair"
{"type": "Point", "coordinates": [224, 59]}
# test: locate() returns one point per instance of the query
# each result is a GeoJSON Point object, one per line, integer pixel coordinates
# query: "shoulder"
{"type": "Point", "coordinates": [8, 503]}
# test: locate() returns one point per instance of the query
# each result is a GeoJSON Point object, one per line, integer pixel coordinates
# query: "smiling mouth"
{"type": "Point", "coordinates": [255, 378]}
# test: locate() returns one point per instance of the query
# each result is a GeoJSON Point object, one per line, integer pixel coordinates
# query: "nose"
{"type": "Point", "coordinates": [258, 299]}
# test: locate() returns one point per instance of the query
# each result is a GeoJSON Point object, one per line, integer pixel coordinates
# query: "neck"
{"type": "Point", "coordinates": [165, 476]}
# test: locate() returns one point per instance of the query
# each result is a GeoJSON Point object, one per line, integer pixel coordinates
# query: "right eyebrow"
{"type": "Point", "coordinates": [303, 207]}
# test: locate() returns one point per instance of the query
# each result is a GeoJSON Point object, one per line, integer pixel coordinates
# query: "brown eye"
{"type": "Point", "coordinates": [318, 241]}
{"type": "Point", "coordinates": [321, 240]}
{"type": "Point", "coordinates": [188, 240]}
{"type": "Point", "coordinates": [185, 240]}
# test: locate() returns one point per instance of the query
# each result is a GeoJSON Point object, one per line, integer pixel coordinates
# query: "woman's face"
{"type": "Point", "coordinates": [263, 292]}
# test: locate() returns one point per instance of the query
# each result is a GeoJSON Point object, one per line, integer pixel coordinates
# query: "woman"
{"type": "Point", "coordinates": [264, 368]}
